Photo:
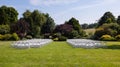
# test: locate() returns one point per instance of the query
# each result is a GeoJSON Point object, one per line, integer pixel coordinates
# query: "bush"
{"type": "Point", "coordinates": [56, 35]}
{"type": "Point", "coordinates": [7, 37]}
{"type": "Point", "coordinates": [15, 37]}
{"type": "Point", "coordinates": [55, 39]}
{"type": "Point", "coordinates": [4, 29]}
{"type": "Point", "coordinates": [1, 37]}
{"type": "Point", "coordinates": [29, 37]}
{"type": "Point", "coordinates": [117, 37]}
{"type": "Point", "coordinates": [62, 38]}
{"type": "Point", "coordinates": [73, 34]}
{"type": "Point", "coordinates": [110, 29]}
{"type": "Point", "coordinates": [98, 33]}
{"type": "Point", "coordinates": [38, 36]}
{"type": "Point", "coordinates": [107, 38]}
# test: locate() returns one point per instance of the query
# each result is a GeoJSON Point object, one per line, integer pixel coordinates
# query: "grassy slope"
{"type": "Point", "coordinates": [59, 54]}
{"type": "Point", "coordinates": [90, 31]}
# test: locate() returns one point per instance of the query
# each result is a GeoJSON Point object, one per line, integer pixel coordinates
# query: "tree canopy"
{"type": "Point", "coordinates": [8, 15]}
{"type": "Point", "coordinates": [75, 23]}
{"type": "Point", "coordinates": [108, 17]}
{"type": "Point", "coordinates": [49, 25]}
{"type": "Point", "coordinates": [109, 26]}
{"type": "Point", "coordinates": [118, 20]}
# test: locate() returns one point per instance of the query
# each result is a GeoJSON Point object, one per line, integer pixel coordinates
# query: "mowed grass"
{"type": "Point", "coordinates": [59, 54]}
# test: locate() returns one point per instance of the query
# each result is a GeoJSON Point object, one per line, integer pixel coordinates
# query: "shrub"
{"type": "Point", "coordinates": [15, 36]}
{"type": "Point", "coordinates": [56, 35]}
{"type": "Point", "coordinates": [73, 34]}
{"type": "Point", "coordinates": [117, 37]}
{"type": "Point", "coordinates": [98, 33]}
{"type": "Point", "coordinates": [4, 29]}
{"type": "Point", "coordinates": [55, 39]}
{"type": "Point", "coordinates": [1, 37]}
{"type": "Point", "coordinates": [38, 36]}
{"type": "Point", "coordinates": [107, 38]}
{"type": "Point", "coordinates": [7, 37]}
{"type": "Point", "coordinates": [29, 37]}
{"type": "Point", "coordinates": [62, 38]}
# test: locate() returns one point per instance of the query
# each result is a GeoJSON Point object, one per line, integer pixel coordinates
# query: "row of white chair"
{"type": "Point", "coordinates": [84, 43]}
{"type": "Point", "coordinates": [33, 43]}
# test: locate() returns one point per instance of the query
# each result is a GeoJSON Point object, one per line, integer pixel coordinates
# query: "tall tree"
{"type": "Point", "coordinates": [118, 20]}
{"type": "Point", "coordinates": [4, 29]}
{"type": "Point", "coordinates": [27, 14]}
{"type": "Point", "coordinates": [21, 28]}
{"type": "Point", "coordinates": [85, 26]}
{"type": "Point", "coordinates": [108, 17]}
{"type": "Point", "coordinates": [49, 25]}
{"type": "Point", "coordinates": [75, 23]}
{"type": "Point", "coordinates": [64, 29]}
{"type": "Point", "coordinates": [38, 18]}
{"type": "Point", "coordinates": [27, 17]}
{"type": "Point", "coordinates": [8, 15]}
{"type": "Point", "coordinates": [35, 20]}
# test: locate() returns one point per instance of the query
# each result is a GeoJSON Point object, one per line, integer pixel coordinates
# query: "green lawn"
{"type": "Point", "coordinates": [60, 54]}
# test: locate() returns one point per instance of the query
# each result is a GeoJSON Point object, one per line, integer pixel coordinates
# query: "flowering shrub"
{"type": "Point", "coordinates": [13, 36]}
{"type": "Point", "coordinates": [117, 37]}
{"type": "Point", "coordinates": [107, 38]}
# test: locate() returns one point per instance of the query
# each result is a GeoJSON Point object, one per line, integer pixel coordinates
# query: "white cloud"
{"type": "Point", "coordinates": [51, 2]}
{"type": "Point", "coordinates": [96, 4]}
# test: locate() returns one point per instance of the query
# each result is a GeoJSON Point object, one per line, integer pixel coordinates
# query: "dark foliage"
{"type": "Point", "coordinates": [88, 26]}
{"type": "Point", "coordinates": [118, 20]}
{"type": "Point", "coordinates": [21, 28]}
{"type": "Point", "coordinates": [48, 26]}
{"type": "Point", "coordinates": [64, 29]}
{"type": "Point", "coordinates": [108, 17]}
{"type": "Point", "coordinates": [8, 15]}
{"type": "Point", "coordinates": [109, 29]}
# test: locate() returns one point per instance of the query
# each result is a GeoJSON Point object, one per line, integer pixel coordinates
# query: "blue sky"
{"type": "Point", "coordinates": [86, 11]}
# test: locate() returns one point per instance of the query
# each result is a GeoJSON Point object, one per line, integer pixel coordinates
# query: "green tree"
{"type": "Point", "coordinates": [27, 14]}
{"type": "Point", "coordinates": [118, 20]}
{"type": "Point", "coordinates": [73, 34]}
{"type": "Point", "coordinates": [8, 15]}
{"type": "Point", "coordinates": [49, 25]}
{"type": "Point", "coordinates": [4, 29]}
{"type": "Point", "coordinates": [75, 23]}
{"type": "Point", "coordinates": [35, 20]}
{"type": "Point", "coordinates": [111, 29]}
{"type": "Point", "coordinates": [3, 15]}
{"type": "Point", "coordinates": [38, 18]}
{"type": "Point", "coordinates": [108, 17]}
{"type": "Point", "coordinates": [27, 17]}
{"type": "Point", "coordinates": [76, 26]}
